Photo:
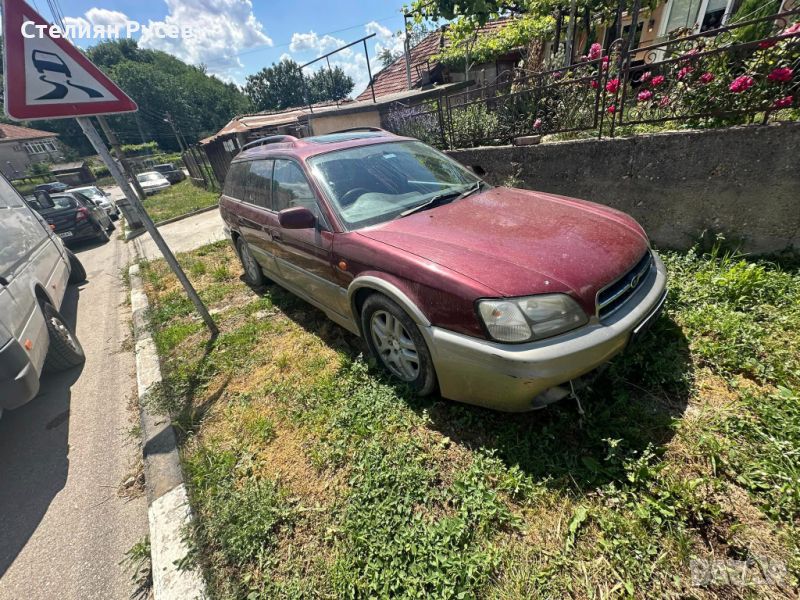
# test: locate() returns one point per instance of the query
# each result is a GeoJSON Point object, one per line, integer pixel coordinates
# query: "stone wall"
{"type": "Point", "coordinates": [742, 182]}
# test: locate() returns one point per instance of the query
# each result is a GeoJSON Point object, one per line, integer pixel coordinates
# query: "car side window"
{"type": "Point", "coordinates": [234, 180]}
{"type": "Point", "coordinates": [259, 184]}
{"type": "Point", "coordinates": [290, 187]}
{"type": "Point", "coordinates": [8, 195]}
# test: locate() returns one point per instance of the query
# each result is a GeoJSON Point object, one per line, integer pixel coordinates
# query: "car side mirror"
{"type": "Point", "coordinates": [297, 217]}
{"type": "Point", "coordinates": [43, 198]}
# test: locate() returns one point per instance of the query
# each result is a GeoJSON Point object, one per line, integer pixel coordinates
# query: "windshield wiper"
{"type": "Point", "coordinates": [440, 199]}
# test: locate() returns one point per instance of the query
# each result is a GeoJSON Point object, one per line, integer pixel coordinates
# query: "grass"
{"type": "Point", "coordinates": [178, 199]}
{"type": "Point", "coordinates": [313, 475]}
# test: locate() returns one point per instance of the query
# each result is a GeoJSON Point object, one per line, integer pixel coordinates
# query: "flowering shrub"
{"type": "Point", "coordinates": [741, 84]}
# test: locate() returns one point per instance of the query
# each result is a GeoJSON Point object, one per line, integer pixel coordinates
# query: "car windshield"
{"type": "Point", "coordinates": [148, 177]}
{"type": "Point", "coordinates": [164, 168]}
{"type": "Point", "coordinates": [373, 184]}
{"type": "Point", "coordinates": [91, 192]}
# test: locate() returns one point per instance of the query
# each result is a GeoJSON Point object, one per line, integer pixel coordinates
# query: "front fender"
{"type": "Point", "coordinates": [392, 289]}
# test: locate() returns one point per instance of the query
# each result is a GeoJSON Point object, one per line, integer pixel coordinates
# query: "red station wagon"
{"type": "Point", "coordinates": [499, 297]}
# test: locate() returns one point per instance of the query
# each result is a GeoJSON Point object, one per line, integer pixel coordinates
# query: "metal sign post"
{"type": "Point", "coordinates": [100, 147]}
{"type": "Point", "coordinates": [52, 79]}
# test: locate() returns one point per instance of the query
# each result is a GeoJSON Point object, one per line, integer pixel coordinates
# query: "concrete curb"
{"type": "Point", "coordinates": [187, 215]}
{"type": "Point", "coordinates": [169, 513]}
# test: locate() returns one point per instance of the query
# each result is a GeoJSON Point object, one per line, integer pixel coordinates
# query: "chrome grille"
{"type": "Point", "coordinates": [614, 295]}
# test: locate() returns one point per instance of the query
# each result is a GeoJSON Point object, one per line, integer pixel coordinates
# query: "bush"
{"type": "Point", "coordinates": [140, 149]}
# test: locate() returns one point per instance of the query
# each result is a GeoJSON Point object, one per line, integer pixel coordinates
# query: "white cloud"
{"type": "Point", "coordinates": [102, 16]}
{"type": "Point", "coordinates": [221, 29]}
{"type": "Point", "coordinates": [311, 42]}
{"type": "Point", "coordinates": [385, 38]}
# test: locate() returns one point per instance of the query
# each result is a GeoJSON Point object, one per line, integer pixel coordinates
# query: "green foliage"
{"type": "Point", "coordinates": [517, 33]}
{"type": "Point", "coordinates": [179, 199]}
{"type": "Point", "coordinates": [38, 169]}
{"type": "Point", "coordinates": [200, 103]}
{"type": "Point", "coordinates": [329, 84]}
{"type": "Point", "coordinates": [140, 149]}
{"type": "Point", "coordinates": [282, 85]}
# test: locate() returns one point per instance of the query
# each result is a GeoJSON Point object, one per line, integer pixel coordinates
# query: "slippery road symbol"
{"type": "Point", "coordinates": [48, 62]}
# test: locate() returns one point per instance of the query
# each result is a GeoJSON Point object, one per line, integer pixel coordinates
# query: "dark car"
{"type": "Point", "coordinates": [53, 186]}
{"type": "Point", "coordinates": [498, 296]}
{"type": "Point", "coordinates": [73, 217]}
{"type": "Point", "coordinates": [169, 171]}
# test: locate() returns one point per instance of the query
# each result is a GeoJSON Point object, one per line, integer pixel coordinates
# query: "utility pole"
{"type": "Point", "coordinates": [570, 34]}
{"type": "Point", "coordinates": [97, 142]}
{"type": "Point", "coordinates": [407, 51]}
{"type": "Point", "coordinates": [174, 130]}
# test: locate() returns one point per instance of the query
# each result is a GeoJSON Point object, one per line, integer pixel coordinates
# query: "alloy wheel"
{"type": "Point", "coordinates": [394, 345]}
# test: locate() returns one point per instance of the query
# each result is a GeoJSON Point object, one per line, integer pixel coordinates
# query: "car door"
{"type": "Point", "coordinates": [251, 187]}
{"type": "Point", "coordinates": [97, 212]}
{"type": "Point", "coordinates": [304, 255]}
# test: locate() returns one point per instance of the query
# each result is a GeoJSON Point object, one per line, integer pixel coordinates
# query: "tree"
{"type": "Point", "coordinates": [387, 57]}
{"type": "Point", "coordinates": [276, 87]}
{"type": "Point", "coordinates": [329, 85]}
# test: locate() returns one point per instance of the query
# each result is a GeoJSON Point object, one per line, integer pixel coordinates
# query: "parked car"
{"type": "Point", "coordinates": [499, 296]}
{"type": "Point", "coordinates": [35, 269]}
{"type": "Point", "coordinates": [74, 217]}
{"type": "Point", "coordinates": [53, 186]}
{"type": "Point", "coordinates": [169, 171]}
{"type": "Point", "coordinates": [100, 198]}
{"type": "Point", "coordinates": [152, 182]}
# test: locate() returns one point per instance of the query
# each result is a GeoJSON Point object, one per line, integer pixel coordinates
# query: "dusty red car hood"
{"type": "Point", "coordinates": [519, 242]}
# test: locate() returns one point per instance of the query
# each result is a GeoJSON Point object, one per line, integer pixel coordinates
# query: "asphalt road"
{"type": "Point", "coordinates": [64, 527]}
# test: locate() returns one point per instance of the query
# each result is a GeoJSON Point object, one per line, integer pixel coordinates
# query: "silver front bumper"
{"type": "Point", "coordinates": [508, 377]}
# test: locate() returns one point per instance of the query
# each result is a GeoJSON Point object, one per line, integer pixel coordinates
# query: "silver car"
{"type": "Point", "coordinates": [99, 198]}
{"type": "Point", "coordinates": [35, 269]}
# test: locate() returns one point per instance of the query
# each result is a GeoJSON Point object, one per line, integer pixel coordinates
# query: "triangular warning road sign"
{"type": "Point", "coordinates": [47, 77]}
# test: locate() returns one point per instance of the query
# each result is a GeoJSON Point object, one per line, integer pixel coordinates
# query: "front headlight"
{"type": "Point", "coordinates": [531, 317]}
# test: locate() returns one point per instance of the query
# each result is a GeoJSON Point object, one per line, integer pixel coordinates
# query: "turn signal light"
{"type": "Point", "coordinates": [28, 345]}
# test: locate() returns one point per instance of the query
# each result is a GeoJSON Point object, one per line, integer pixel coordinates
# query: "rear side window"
{"type": "Point", "coordinates": [290, 187]}
{"type": "Point", "coordinates": [259, 183]}
{"type": "Point", "coordinates": [234, 180]}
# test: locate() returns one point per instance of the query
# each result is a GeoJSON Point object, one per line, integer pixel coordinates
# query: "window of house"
{"type": "Point", "coordinates": [229, 145]}
{"type": "Point", "coordinates": [40, 147]}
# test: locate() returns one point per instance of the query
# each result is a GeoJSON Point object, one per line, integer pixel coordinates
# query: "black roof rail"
{"type": "Point", "coordinates": [270, 139]}
{"type": "Point", "coordinates": [351, 129]}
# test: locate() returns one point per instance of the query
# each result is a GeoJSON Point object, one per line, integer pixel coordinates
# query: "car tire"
{"type": "Point", "coordinates": [65, 350]}
{"type": "Point", "coordinates": [252, 270]}
{"type": "Point", "coordinates": [102, 234]}
{"type": "Point", "coordinates": [77, 273]}
{"type": "Point", "coordinates": [396, 343]}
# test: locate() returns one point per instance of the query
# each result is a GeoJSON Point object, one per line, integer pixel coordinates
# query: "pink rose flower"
{"type": "Point", "coordinates": [707, 77]}
{"type": "Point", "coordinates": [605, 63]}
{"type": "Point", "coordinates": [741, 84]}
{"type": "Point", "coordinates": [612, 86]}
{"type": "Point", "coordinates": [557, 75]}
{"type": "Point", "coordinates": [664, 102]}
{"type": "Point", "coordinates": [784, 102]}
{"type": "Point", "coordinates": [593, 84]}
{"type": "Point", "coordinates": [780, 75]}
{"type": "Point", "coordinates": [684, 72]}
{"type": "Point", "coordinates": [595, 50]}
{"type": "Point", "coordinates": [611, 109]}
{"type": "Point", "coordinates": [644, 95]}
{"type": "Point", "coordinates": [792, 29]}
{"type": "Point", "coordinates": [657, 80]}
{"type": "Point", "coordinates": [537, 124]}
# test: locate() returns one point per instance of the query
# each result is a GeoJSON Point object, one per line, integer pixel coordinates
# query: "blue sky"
{"type": "Point", "coordinates": [235, 38]}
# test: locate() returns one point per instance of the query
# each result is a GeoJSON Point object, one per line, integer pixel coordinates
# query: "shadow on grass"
{"type": "Point", "coordinates": [630, 408]}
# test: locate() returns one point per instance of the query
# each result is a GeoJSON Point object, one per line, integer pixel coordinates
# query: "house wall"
{"type": "Point", "coordinates": [742, 182]}
{"type": "Point", "coordinates": [323, 124]}
{"type": "Point", "coordinates": [14, 163]}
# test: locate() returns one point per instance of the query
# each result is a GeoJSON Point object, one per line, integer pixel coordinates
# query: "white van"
{"type": "Point", "coordinates": [35, 269]}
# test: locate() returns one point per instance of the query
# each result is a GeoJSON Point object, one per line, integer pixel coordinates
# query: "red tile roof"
{"type": "Point", "coordinates": [392, 79]}
{"type": "Point", "coordinates": [16, 132]}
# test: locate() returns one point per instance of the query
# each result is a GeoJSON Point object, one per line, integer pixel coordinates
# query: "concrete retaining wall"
{"type": "Point", "coordinates": [743, 182]}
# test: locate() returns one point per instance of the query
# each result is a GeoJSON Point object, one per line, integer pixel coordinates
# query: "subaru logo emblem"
{"type": "Point", "coordinates": [635, 280]}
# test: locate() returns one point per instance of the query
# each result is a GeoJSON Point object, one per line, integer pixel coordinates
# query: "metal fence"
{"type": "Point", "coordinates": [744, 71]}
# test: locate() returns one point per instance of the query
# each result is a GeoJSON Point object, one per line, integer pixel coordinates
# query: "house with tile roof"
{"type": "Point", "coordinates": [20, 147]}
{"type": "Point", "coordinates": [426, 69]}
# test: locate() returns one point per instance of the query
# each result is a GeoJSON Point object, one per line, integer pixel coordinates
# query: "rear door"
{"type": "Point", "coordinates": [304, 255]}
{"type": "Point", "coordinates": [251, 186]}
